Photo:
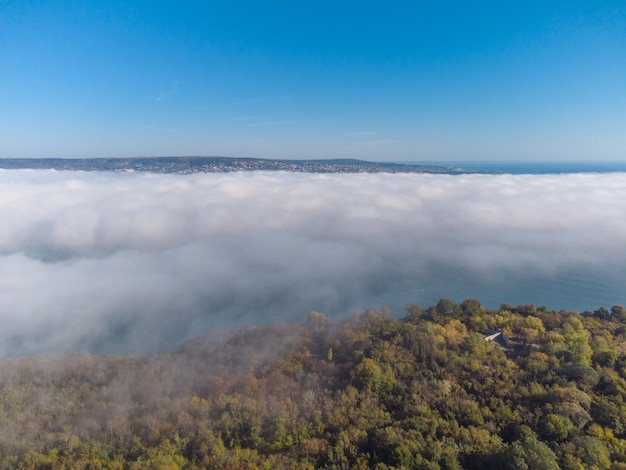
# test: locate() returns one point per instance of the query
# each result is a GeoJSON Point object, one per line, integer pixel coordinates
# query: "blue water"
{"type": "Point", "coordinates": [538, 168]}
{"type": "Point", "coordinates": [571, 288]}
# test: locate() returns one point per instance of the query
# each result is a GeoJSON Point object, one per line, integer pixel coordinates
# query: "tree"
{"type": "Point", "coordinates": [446, 307]}
{"type": "Point", "coordinates": [576, 338]}
{"type": "Point", "coordinates": [317, 320]}
{"type": "Point", "coordinates": [592, 452]}
{"type": "Point", "coordinates": [475, 345]}
{"type": "Point", "coordinates": [529, 454]}
{"type": "Point", "coordinates": [583, 374]}
{"type": "Point", "coordinates": [368, 375]}
{"type": "Point", "coordinates": [472, 307]}
{"type": "Point", "coordinates": [529, 328]}
{"type": "Point", "coordinates": [618, 313]}
{"type": "Point", "coordinates": [415, 312]}
{"type": "Point", "coordinates": [554, 427]}
{"type": "Point", "coordinates": [601, 313]}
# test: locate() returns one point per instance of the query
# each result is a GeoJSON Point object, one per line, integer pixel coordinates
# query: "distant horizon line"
{"type": "Point", "coordinates": [410, 162]}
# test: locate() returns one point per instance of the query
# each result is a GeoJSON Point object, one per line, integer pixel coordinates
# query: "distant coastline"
{"type": "Point", "coordinates": [189, 165]}
{"type": "Point", "coordinates": [218, 164]}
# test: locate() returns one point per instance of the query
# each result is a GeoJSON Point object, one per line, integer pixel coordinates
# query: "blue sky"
{"type": "Point", "coordinates": [412, 81]}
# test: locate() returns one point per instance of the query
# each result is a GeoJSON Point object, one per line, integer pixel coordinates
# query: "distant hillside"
{"type": "Point", "coordinates": [186, 165]}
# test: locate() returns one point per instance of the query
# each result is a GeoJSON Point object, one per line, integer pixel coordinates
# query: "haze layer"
{"type": "Point", "coordinates": [133, 263]}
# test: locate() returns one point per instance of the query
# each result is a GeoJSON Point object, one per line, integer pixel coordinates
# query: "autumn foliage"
{"type": "Point", "coordinates": [369, 391]}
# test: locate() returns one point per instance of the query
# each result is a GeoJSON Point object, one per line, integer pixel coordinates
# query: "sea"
{"type": "Point", "coordinates": [536, 168]}
{"type": "Point", "coordinates": [580, 288]}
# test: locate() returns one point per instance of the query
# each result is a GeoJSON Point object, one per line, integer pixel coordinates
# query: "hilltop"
{"type": "Point", "coordinates": [427, 391]}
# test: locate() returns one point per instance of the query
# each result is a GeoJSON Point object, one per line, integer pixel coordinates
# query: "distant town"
{"type": "Point", "coordinates": [189, 165]}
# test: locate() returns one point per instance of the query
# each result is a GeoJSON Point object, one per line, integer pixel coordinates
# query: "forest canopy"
{"type": "Point", "coordinates": [451, 386]}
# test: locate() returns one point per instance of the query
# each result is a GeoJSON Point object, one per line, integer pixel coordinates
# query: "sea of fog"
{"type": "Point", "coordinates": [134, 263]}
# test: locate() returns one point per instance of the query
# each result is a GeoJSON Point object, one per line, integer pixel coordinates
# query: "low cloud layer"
{"type": "Point", "coordinates": [133, 263]}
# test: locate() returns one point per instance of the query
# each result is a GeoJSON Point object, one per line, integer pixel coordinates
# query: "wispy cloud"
{"type": "Point", "coordinates": [162, 95]}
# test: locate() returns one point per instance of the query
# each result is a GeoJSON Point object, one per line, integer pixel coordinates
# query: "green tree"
{"type": "Point", "coordinates": [576, 338]}
{"type": "Point", "coordinates": [554, 427]}
{"type": "Point", "coordinates": [529, 454]}
{"type": "Point", "coordinates": [368, 375]}
{"type": "Point", "coordinates": [475, 345]}
{"type": "Point", "coordinates": [593, 454]}
{"type": "Point", "coordinates": [618, 313]}
{"type": "Point", "coordinates": [446, 307]}
{"type": "Point", "coordinates": [472, 307]}
{"type": "Point", "coordinates": [415, 313]}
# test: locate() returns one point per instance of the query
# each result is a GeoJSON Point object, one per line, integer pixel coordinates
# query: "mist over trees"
{"type": "Point", "coordinates": [134, 264]}
{"type": "Point", "coordinates": [546, 391]}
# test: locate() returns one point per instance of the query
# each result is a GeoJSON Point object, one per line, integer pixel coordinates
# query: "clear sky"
{"type": "Point", "coordinates": [413, 81]}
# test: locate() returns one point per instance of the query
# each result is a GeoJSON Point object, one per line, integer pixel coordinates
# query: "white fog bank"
{"type": "Point", "coordinates": [132, 263]}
